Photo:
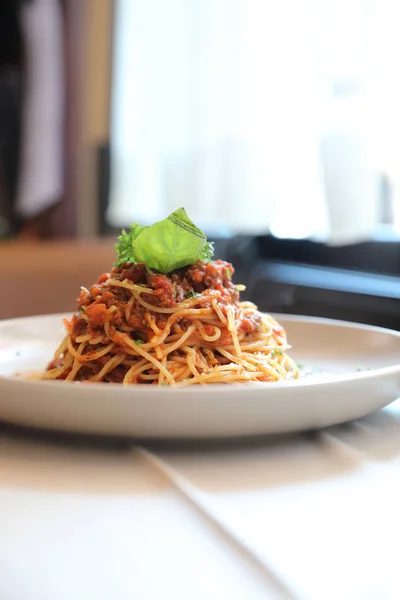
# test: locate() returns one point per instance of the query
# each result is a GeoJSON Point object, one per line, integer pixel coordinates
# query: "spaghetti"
{"type": "Point", "coordinates": [189, 327]}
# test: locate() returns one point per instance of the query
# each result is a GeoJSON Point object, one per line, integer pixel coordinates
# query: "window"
{"type": "Point", "coordinates": [258, 116]}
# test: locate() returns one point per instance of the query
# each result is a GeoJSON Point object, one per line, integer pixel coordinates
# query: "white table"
{"type": "Point", "coordinates": [313, 517]}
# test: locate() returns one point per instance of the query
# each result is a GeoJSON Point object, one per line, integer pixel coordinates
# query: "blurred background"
{"type": "Point", "coordinates": [275, 124]}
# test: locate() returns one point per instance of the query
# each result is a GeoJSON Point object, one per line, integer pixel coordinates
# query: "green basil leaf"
{"type": "Point", "coordinates": [125, 242]}
{"type": "Point", "coordinates": [167, 245]}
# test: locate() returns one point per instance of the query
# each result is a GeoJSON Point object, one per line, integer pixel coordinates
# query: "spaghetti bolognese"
{"type": "Point", "coordinates": [187, 326]}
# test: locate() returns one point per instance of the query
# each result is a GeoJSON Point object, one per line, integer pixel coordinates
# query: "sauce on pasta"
{"type": "Point", "coordinates": [137, 326]}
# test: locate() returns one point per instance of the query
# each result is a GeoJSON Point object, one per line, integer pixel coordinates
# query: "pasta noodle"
{"type": "Point", "coordinates": [139, 326]}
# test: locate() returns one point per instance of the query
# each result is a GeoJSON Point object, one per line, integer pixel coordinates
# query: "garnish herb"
{"type": "Point", "coordinates": [124, 245]}
{"type": "Point", "coordinates": [276, 352]}
{"type": "Point", "coordinates": [166, 246]}
{"type": "Point", "coordinates": [139, 342]}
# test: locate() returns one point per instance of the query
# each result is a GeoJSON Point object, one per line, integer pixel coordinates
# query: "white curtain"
{"type": "Point", "coordinates": [254, 115]}
{"type": "Point", "coordinates": [41, 171]}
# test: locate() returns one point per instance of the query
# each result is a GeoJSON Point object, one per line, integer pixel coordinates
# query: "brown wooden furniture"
{"type": "Point", "coordinates": [40, 278]}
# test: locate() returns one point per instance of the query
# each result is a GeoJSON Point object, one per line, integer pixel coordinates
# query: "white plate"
{"type": "Point", "coordinates": [341, 393]}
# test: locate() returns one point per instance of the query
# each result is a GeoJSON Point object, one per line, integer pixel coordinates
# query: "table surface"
{"type": "Point", "coordinates": [311, 516]}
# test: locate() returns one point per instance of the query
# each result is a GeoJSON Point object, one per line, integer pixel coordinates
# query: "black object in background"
{"type": "Point", "coordinates": [11, 93]}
